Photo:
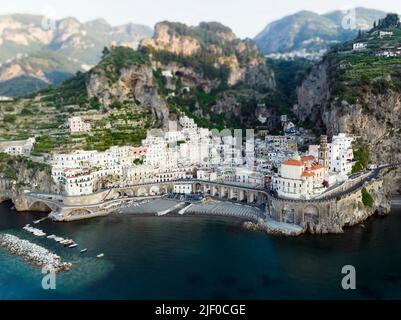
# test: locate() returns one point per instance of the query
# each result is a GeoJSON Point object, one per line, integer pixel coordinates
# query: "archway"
{"type": "Point", "coordinates": [141, 192]}
{"type": "Point", "coordinates": [155, 190]}
{"type": "Point", "coordinates": [78, 212]}
{"type": "Point", "coordinates": [311, 216]}
{"type": "Point", "coordinates": [40, 206]}
{"type": "Point", "coordinates": [288, 215]}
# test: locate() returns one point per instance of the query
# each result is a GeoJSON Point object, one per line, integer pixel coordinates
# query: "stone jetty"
{"type": "Point", "coordinates": [33, 253]}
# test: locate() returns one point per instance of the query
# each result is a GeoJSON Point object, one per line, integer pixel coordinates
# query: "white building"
{"type": "Point", "coordinates": [299, 178]}
{"type": "Point", "coordinates": [359, 46]}
{"type": "Point", "coordinates": [80, 170]}
{"type": "Point", "coordinates": [341, 154]}
{"type": "Point", "coordinates": [188, 123]}
{"type": "Point", "coordinates": [17, 148]}
{"type": "Point", "coordinates": [206, 175]}
{"type": "Point", "coordinates": [77, 124]}
{"type": "Point", "coordinates": [183, 188]}
{"type": "Point", "coordinates": [383, 34]}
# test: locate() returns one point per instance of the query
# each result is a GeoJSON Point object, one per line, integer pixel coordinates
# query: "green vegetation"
{"type": "Point", "coordinates": [354, 73]}
{"type": "Point", "coordinates": [203, 63]}
{"type": "Point", "coordinates": [46, 144]}
{"type": "Point", "coordinates": [119, 58]}
{"type": "Point", "coordinates": [71, 92]}
{"type": "Point", "coordinates": [367, 198]}
{"type": "Point", "coordinates": [288, 75]}
{"type": "Point", "coordinates": [10, 118]}
{"type": "Point", "coordinates": [11, 165]}
{"type": "Point", "coordinates": [361, 155]}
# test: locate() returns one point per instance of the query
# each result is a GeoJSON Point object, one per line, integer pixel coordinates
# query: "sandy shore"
{"type": "Point", "coordinates": [153, 207]}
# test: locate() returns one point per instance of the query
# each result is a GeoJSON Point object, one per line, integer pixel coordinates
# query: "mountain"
{"type": "Point", "coordinates": [212, 75]}
{"type": "Point", "coordinates": [203, 71]}
{"type": "Point", "coordinates": [358, 91]}
{"type": "Point", "coordinates": [39, 50]}
{"type": "Point", "coordinates": [309, 34]}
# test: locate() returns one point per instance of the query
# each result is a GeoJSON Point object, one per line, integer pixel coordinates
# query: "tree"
{"type": "Point", "coordinates": [105, 51]}
{"type": "Point", "coordinates": [391, 20]}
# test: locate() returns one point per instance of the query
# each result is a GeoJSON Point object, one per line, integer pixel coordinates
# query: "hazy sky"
{"type": "Point", "coordinates": [245, 17]}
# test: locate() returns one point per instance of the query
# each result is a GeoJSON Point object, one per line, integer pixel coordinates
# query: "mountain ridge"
{"type": "Point", "coordinates": [309, 32]}
{"type": "Point", "coordinates": [66, 45]}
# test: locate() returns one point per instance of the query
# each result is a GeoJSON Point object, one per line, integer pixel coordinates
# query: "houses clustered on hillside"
{"type": "Point", "coordinates": [383, 51]}
{"type": "Point", "coordinates": [186, 151]}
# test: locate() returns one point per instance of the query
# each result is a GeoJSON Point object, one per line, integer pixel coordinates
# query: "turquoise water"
{"type": "Point", "coordinates": [204, 258]}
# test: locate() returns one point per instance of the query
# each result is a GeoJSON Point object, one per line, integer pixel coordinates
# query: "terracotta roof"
{"type": "Point", "coordinates": [307, 174]}
{"type": "Point", "coordinates": [316, 166]}
{"type": "Point", "coordinates": [308, 158]}
{"type": "Point", "coordinates": [294, 163]}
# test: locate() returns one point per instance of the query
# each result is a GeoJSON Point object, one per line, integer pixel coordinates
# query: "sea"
{"type": "Point", "coordinates": [176, 257]}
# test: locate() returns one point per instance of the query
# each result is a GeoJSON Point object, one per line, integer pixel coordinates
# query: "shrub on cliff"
{"type": "Point", "coordinates": [367, 198]}
{"type": "Point", "coordinates": [361, 156]}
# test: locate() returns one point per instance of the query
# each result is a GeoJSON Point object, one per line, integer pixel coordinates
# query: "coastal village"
{"type": "Point", "coordinates": [185, 151]}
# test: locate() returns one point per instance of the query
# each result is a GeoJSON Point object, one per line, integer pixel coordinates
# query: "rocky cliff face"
{"type": "Point", "coordinates": [134, 83]}
{"type": "Point", "coordinates": [227, 76]}
{"type": "Point", "coordinates": [19, 174]}
{"type": "Point", "coordinates": [165, 39]}
{"type": "Point", "coordinates": [375, 117]}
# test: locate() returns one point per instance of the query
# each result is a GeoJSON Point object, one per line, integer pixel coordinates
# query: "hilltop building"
{"type": "Point", "coordinates": [77, 124]}
{"type": "Point", "coordinates": [359, 46]}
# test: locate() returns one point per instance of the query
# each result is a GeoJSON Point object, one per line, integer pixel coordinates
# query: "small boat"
{"type": "Point", "coordinates": [51, 236]}
{"type": "Point", "coordinates": [100, 255]}
{"type": "Point", "coordinates": [67, 242]}
{"type": "Point", "coordinates": [58, 239]}
{"type": "Point", "coordinates": [74, 245]}
{"type": "Point", "coordinates": [83, 250]}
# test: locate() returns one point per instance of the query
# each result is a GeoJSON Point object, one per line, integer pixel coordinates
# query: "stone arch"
{"type": "Point", "coordinates": [311, 215]}
{"type": "Point", "coordinates": [40, 206]}
{"type": "Point", "coordinates": [198, 187]}
{"type": "Point", "coordinates": [141, 192]}
{"type": "Point", "coordinates": [154, 190]}
{"type": "Point", "coordinates": [165, 189]}
{"type": "Point", "coordinates": [288, 214]}
{"type": "Point", "coordinates": [78, 212]}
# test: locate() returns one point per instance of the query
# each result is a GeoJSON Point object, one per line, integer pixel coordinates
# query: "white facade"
{"type": "Point", "coordinates": [359, 46]}
{"type": "Point", "coordinates": [341, 154]}
{"type": "Point", "coordinates": [188, 123]}
{"type": "Point", "coordinates": [183, 188]}
{"type": "Point", "coordinates": [299, 178]}
{"type": "Point", "coordinates": [17, 148]}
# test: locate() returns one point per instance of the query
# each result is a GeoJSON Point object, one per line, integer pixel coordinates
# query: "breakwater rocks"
{"type": "Point", "coordinates": [33, 253]}
{"type": "Point", "coordinates": [275, 228]}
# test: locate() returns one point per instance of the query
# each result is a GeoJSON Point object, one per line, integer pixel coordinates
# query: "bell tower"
{"type": "Point", "coordinates": [324, 153]}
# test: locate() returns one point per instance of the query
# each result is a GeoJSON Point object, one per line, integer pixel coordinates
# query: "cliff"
{"type": "Point", "coordinates": [227, 77]}
{"type": "Point", "coordinates": [374, 116]}
{"type": "Point", "coordinates": [357, 92]}
{"type": "Point", "coordinates": [18, 174]}
{"type": "Point", "coordinates": [127, 75]}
